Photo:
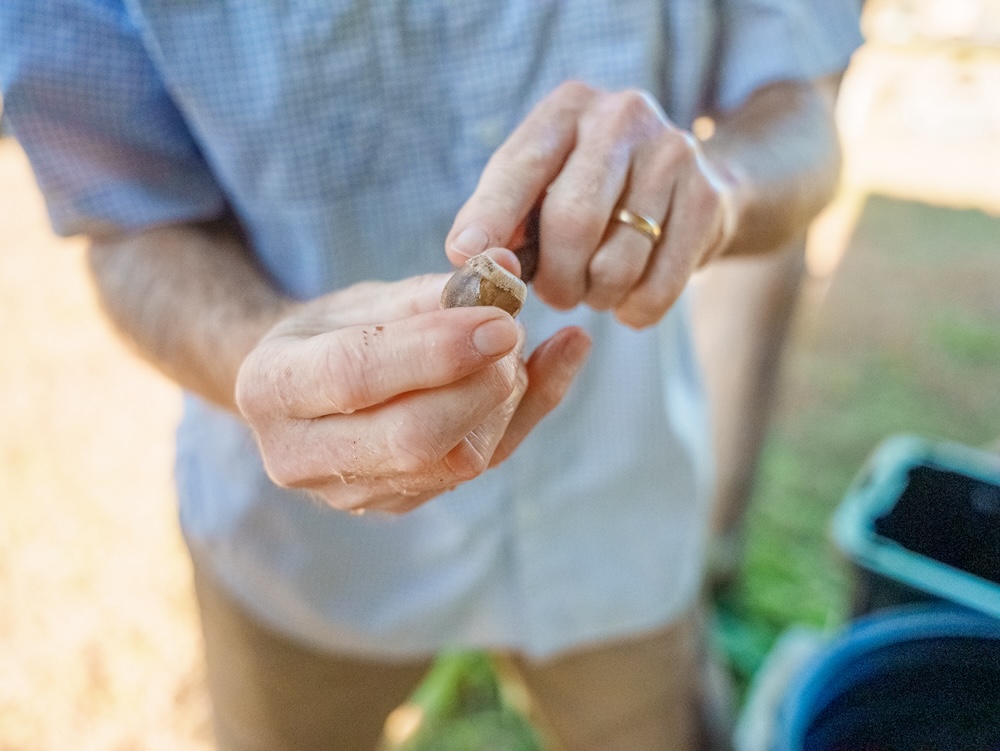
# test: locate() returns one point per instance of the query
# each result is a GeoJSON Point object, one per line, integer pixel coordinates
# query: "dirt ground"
{"type": "Point", "coordinates": [97, 619]}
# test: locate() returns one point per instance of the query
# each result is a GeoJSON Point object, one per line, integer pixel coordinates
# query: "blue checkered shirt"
{"type": "Point", "coordinates": [345, 135]}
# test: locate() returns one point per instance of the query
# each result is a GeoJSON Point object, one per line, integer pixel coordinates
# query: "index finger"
{"type": "Point", "coordinates": [352, 368]}
{"type": "Point", "coordinates": [518, 173]}
{"type": "Point", "coordinates": [368, 302]}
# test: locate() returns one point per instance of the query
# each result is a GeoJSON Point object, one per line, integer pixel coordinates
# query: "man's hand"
{"type": "Point", "coordinates": [585, 154]}
{"type": "Point", "coordinates": [371, 397]}
{"type": "Point", "coordinates": [375, 398]}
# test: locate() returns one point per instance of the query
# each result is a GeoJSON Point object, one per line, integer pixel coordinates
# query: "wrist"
{"type": "Point", "coordinates": [733, 188]}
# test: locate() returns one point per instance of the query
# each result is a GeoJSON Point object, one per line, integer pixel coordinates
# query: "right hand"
{"type": "Point", "coordinates": [373, 397]}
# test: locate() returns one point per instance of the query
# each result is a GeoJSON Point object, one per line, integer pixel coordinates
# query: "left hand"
{"type": "Point", "coordinates": [373, 397]}
{"type": "Point", "coordinates": [584, 154]}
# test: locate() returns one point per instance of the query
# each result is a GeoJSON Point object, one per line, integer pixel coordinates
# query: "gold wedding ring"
{"type": "Point", "coordinates": [649, 227]}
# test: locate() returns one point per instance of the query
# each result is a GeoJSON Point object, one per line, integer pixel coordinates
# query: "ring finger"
{"type": "Point", "coordinates": [635, 231]}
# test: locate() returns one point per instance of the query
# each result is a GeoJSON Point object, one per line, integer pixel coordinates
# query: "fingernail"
{"type": "Point", "coordinates": [495, 337]}
{"type": "Point", "coordinates": [471, 241]}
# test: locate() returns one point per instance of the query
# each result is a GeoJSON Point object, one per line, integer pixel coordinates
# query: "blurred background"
{"type": "Point", "coordinates": [896, 329]}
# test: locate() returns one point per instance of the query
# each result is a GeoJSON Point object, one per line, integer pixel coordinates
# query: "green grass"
{"type": "Point", "coordinates": [908, 341]}
{"type": "Point", "coordinates": [966, 341]}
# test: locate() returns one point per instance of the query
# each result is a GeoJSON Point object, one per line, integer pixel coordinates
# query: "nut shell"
{"type": "Point", "coordinates": [483, 281]}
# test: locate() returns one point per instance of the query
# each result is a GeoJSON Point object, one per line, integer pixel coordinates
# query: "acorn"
{"type": "Point", "coordinates": [483, 281]}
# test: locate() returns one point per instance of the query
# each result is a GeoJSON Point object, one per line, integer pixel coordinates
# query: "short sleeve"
{"type": "Point", "coordinates": [764, 41]}
{"type": "Point", "coordinates": [109, 149]}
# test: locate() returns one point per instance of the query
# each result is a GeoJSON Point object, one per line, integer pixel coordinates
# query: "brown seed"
{"type": "Point", "coordinates": [483, 281]}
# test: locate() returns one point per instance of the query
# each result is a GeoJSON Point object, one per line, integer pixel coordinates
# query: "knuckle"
{"type": "Point", "coordinates": [634, 317]}
{"type": "Point", "coordinates": [347, 370]}
{"type": "Point", "coordinates": [515, 160]}
{"type": "Point", "coordinates": [247, 392]}
{"type": "Point", "coordinates": [411, 448]}
{"type": "Point", "coordinates": [613, 273]}
{"type": "Point", "coordinates": [290, 463]}
{"type": "Point", "coordinates": [632, 103]}
{"type": "Point", "coordinates": [674, 152]}
{"type": "Point", "coordinates": [704, 195]}
{"type": "Point", "coordinates": [501, 186]}
{"type": "Point", "coordinates": [474, 454]}
{"type": "Point", "coordinates": [560, 294]}
{"type": "Point", "coordinates": [501, 381]}
{"type": "Point", "coordinates": [643, 308]}
{"type": "Point", "coordinates": [279, 394]}
{"type": "Point", "coordinates": [574, 91]}
{"type": "Point", "coordinates": [471, 464]}
{"type": "Point", "coordinates": [569, 218]}
{"type": "Point", "coordinates": [285, 470]}
{"type": "Point", "coordinates": [507, 370]}
{"type": "Point", "coordinates": [251, 392]}
{"type": "Point", "coordinates": [634, 111]}
{"type": "Point", "coordinates": [263, 391]}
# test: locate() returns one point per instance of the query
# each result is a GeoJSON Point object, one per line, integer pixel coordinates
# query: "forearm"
{"type": "Point", "coordinates": [781, 152]}
{"type": "Point", "coordinates": [190, 299]}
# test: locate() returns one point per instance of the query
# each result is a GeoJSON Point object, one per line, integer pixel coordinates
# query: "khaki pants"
{"type": "Point", "coordinates": [272, 694]}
